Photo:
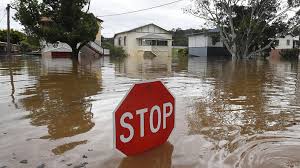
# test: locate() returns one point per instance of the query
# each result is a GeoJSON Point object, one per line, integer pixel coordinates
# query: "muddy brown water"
{"type": "Point", "coordinates": [229, 114]}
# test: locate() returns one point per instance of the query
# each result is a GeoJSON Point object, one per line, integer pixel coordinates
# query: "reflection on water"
{"type": "Point", "coordinates": [230, 114]}
{"type": "Point", "coordinates": [160, 157]}
{"type": "Point", "coordinates": [66, 147]}
{"type": "Point", "coordinates": [60, 100]}
{"type": "Point", "coordinates": [144, 68]}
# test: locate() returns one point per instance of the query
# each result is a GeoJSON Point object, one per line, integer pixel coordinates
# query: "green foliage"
{"type": "Point", "coordinates": [180, 37]}
{"type": "Point", "coordinates": [117, 52]}
{"type": "Point", "coordinates": [247, 27]}
{"type": "Point", "coordinates": [58, 21]}
{"type": "Point", "coordinates": [290, 54]}
{"type": "Point", "coordinates": [261, 30]}
{"type": "Point", "coordinates": [25, 46]}
{"type": "Point", "coordinates": [16, 36]}
{"type": "Point", "coordinates": [183, 52]}
{"type": "Point", "coordinates": [114, 51]}
{"type": "Point", "coordinates": [26, 42]}
{"type": "Point", "coordinates": [179, 52]}
{"type": "Point", "coordinates": [107, 42]}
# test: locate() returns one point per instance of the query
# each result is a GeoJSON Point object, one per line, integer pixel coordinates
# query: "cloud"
{"type": "Point", "coordinates": [168, 17]}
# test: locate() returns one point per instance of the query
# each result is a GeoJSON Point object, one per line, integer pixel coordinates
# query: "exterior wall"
{"type": "Point", "coordinates": [122, 37]}
{"type": "Point", "coordinates": [218, 52]}
{"type": "Point", "coordinates": [198, 41]}
{"type": "Point", "coordinates": [208, 51]}
{"type": "Point", "coordinates": [98, 36]}
{"type": "Point", "coordinates": [283, 42]}
{"type": "Point", "coordinates": [202, 45]}
{"type": "Point", "coordinates": [203, 41]}
{"type": "Point", "coordinates": [132, 47]}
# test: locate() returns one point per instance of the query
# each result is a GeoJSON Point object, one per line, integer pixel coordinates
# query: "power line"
{"type": "Point", "coordinates": [140, 10]}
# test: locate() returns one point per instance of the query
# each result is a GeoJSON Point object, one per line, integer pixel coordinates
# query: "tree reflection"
{"type": "Point", "coordinates": [240, 103]}
{"type": "Point", "coordinates": [61, 101]}
{"type": "Point", "coordinates": [11, 66]}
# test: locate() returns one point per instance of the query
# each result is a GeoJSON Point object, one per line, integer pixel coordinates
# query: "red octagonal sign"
{"type": "Point", "coordinates": [144, 119]}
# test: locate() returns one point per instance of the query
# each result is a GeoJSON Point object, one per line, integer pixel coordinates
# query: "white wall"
{"type": "Point", "coordinates": [132, 47]}
{"type": "Point", "coordinates": [98, 36]}
{"type": "Point", "coordinates": [202, 41]}
{"type": "Point", "coordinates": [198, 41]}
{"type": "Point", "coordinates": [283, 42]}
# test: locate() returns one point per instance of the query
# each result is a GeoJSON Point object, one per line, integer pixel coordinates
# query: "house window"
{"type": "Point", "coordinates": [162, 43]}
{"type": "Point", "coordinates": [120, 43]}
{"type": "Point", "coordinates": [125, 41]}
{"type": "Point", "coordinates": [140, 42]}
{"type": "Point", "coordinates": [288, 42]}
{"type": "Point", "coordinates": [276, 43]}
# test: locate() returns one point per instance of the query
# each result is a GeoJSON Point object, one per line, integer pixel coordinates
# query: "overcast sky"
{"type": "Point", "coordinates": [168, 17]}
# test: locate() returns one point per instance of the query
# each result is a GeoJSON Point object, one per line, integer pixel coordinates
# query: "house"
{"type": "Point", "coordinates": [206, 43]}
{"type": "Point", "coordinates": [63, 50]}
{"type": "Point", "coordinates": [287, 42]}
{"type": "Point", "coordinates": [284, 43]}
{"type": "Point", "coordinates": [149, 39]}
{"type": "Point", "coordinates": [15, 48]}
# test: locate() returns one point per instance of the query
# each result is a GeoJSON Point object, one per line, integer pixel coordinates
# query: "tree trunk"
{"type": "Point", "coordinates": [75, 53]}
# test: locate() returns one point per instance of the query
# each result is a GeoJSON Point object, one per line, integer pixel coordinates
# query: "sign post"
{"type": "Point", "coordinates": [144, 119]}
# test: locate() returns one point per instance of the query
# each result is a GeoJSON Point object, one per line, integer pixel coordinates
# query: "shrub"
{"type": "Point", "coordinates": [115, 51]}
{"type": "Point", "coordinates": [183, 52]}
{"type": "Point", "coordinates": [25, 46]}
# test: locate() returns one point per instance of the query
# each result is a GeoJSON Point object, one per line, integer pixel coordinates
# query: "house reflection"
{"type": "Point", "coordinates": [144, 66]}
{"type": "Point", "coordinates": [61, 100]}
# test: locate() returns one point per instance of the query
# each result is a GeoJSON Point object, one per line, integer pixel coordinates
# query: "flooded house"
{"type": "Point", "coordinates": [147, 40]}
{"type": "Point", "coordinates": [63, 50]}
{"type": "Point", "coordinates": [206, 43]}
{"type": "Point", "coordinates": [287, 42]}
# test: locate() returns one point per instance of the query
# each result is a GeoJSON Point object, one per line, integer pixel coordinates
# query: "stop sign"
{"type": "Point", "coordinates": [144, 119]}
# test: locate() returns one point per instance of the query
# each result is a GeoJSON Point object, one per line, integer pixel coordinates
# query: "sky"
{"type": "Point", "coordinates": [167, 17]}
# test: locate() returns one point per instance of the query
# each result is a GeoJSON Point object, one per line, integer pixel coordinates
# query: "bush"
{"type": "Point", "coordinates": [183, 52]}
{"type": "Point", "coordinates": [115, 51]}
{"type": "Point", "coordinates": [25, 46]}
{"type": "Point", "coordinates": [290, 54]}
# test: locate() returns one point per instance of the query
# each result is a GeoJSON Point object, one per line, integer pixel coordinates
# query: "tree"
{"type": "Point", "coordinates": [16, 36]}
{"type": "Point", "coordinates": [247, 27]}
{"type": "Point", "coordinates": [59, 21]}
{"type": "Point", "coordinates": [180, 37]}
{"type": "Point", "coordinates": [295, 22]}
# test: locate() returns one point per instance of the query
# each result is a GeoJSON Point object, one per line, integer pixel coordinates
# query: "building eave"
{"type": "Point", "coordinates": [131, 30]}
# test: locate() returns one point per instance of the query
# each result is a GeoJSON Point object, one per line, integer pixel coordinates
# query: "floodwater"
{"type": "Point", "coordinates": [229, 114]}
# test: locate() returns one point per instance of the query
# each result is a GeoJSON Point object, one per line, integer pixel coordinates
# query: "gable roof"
{"type": "Point", "coordinates": [139, 28]}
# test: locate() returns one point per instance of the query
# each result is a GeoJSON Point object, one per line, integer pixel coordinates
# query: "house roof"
{"type": "Point", "coordinates": [209, 31]}
{"type": "Point", "coordinates": [141, 27]}
{"type": "Point", "coordinates": [154, 36]}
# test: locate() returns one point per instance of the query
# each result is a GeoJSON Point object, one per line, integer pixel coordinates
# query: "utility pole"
{"type": "Point", "coordinates": [8, 30]}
